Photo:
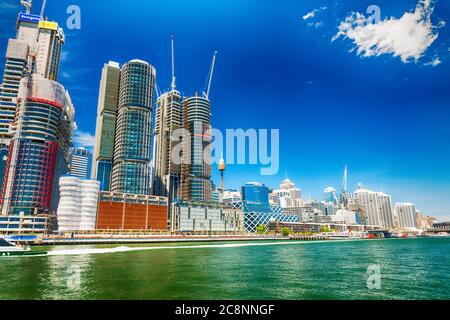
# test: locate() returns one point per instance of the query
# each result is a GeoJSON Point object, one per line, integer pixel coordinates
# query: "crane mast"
{"type": "Point", "coordinates": [208, 90]}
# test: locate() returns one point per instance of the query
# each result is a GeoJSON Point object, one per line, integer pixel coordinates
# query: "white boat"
{"type": "Point", "coordinates": [9, 248]}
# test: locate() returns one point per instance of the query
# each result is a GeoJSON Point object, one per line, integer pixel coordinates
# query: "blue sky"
{"type": "Point", "coordinates": [381, 107]}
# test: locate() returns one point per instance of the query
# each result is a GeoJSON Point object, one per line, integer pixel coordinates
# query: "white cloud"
{"type": "Point", "coordinates": [407, 37]}
{"type": "Point", "coordinates": [435, 62]}
{"type": "Point", "coordinates": [84, 139]}
{"type": "Point", "coordinates": [313, 13]}
{"type": "Point", "coordinates": [316, 25]}
{"type": "Point", "coordinates": [64, 55]}
{"type": "Point", "coordinates": [6, 6]}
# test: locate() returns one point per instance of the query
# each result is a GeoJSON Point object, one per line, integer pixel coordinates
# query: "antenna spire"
{"type": "Point", "coordinates": [173, 84]}
{"type": "Point", "coordinates": [344, 183]}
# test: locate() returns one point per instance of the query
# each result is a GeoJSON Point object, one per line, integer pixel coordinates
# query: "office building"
{"type": "Point", "coordinates": [196, 167]}
{"type": "Point", "coordinates": [330, 195]}
{"type": "Point", "coordinates": [50, 41]}
{"type": "Point", "coordinates": [108, 100]}
{"type": "Point", "coordinates": [256, 197]}
{"type": "Point", "coordinates": [38, 152]}
{"type": "Point", "coordinates": [79, 162]}
{"type": "Point", "coordinates": [406, 215]}
{"type": "Point", "coordinates": [77, 209]}
{"type": "Point", "coordinates": [131, 173]}
{"type": "Point", "coordinates": [168, 120]}
{"type": "Point", "coordinates": [119, 211]}
{"type": "Point", "coordinates": [289, 196]}
{"type": "Point", "coordinates": [201, 217]}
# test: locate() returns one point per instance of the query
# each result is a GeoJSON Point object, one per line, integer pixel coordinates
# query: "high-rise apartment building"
{"type": "Point", "coordinates": [406, 215]}
{"type": "Point", "coordinates": [108, 100]}
{"type": "Point", "coordinates": [196, 168]}
{"type": "Point", "coordinates": [38, 152]}
{"type": "Point", "coordinates": [377, 207]}
{"type": "Point", "coordinates": [131, 173]}
{"type": "Point", "coordinates": [79, 162]}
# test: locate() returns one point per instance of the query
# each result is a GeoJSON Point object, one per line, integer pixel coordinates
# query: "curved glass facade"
{"type": "Point", "coordinates": [39, 150]}
{"type": "Point", "coordinates": [196, 170]}
{"type": "Point", "coordinates": [132, 151]}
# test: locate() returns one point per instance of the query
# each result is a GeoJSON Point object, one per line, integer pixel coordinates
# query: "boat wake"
{"type": "Point", "coordinates": [75, 252]}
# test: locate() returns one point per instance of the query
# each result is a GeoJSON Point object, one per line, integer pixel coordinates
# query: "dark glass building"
{"type": "Point", "coordinates": [256, 197]}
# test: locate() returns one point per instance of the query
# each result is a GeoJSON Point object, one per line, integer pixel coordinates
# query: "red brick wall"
{"type": "Point", "coordinates": [110, 215]}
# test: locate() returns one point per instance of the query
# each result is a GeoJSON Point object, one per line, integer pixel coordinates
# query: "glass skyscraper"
{"type": "Point", "coordinates": [106, 125]}
{"type": "Point", "coordinates": [196, 167]}
{"type": "Point", "coordinates": [256, 197]}
{"type": "Point", "coordinates": [133, 138]}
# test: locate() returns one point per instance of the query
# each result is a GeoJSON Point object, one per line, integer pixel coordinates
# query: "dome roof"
{"type": "Point", "coordinates": [287, 184]}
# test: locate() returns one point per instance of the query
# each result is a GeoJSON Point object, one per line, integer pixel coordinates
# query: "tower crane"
{"type": "Point", "coordinates": [211, 73]}
{"type": "Point", "coordinates": [27, 4]}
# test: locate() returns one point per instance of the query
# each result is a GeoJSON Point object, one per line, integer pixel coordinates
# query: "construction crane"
{"type": "Point", "coordinates": [173, 84]}
{"type": "Point", "coordinates": [27, 4]}
{"type": "Point", "coordinates": [211, 73]}
{"type": "Point", "coordinates": [43, 8]}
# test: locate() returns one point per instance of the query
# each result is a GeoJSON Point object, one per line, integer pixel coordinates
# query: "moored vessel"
{"type": "Point", "coordinates": [11, 249]}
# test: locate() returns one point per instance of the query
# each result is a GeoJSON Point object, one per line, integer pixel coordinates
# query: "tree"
{"type": "Point", "coordinates": [261, 229]}
{"type": "Point", "coordinates": [285, 231]}
{"type": "Point", "coordinates": [325, 229]}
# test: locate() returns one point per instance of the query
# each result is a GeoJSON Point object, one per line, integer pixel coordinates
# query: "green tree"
{"type": "Point", "coordinates": [325, 229]}
{"type": "Point", "coordinates": [285, 231]}
{"type": "Point", "coordinates": [261, 229]}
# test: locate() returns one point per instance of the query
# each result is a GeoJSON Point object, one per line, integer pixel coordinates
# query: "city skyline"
{"type": "Point", "coordinates": [397, 169]}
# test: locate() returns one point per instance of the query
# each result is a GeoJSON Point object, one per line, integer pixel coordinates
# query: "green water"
{"type": "Point", "coordinates": [410, 269]}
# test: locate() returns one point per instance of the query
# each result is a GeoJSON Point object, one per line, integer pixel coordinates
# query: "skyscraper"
{"type": "Point", "coordinates": [196, 168]}
{"type": "Point", "coordinates": [50, 41]}
{"type": "Point", "coordinates": [36, 48]}
{"type": "Point", "coordinates": [169, 118]}
{"type": "Point", "coordinates": [18, 62]}
{"type": "Point", "coordinates": [386, 210]}
{"type": "Point", "coordinates": [106, 125]}
{"type": "Point", "coordinates": [377, 207]}
{"type": "Point", "coordinates": [133, 137]}
{"type": "Point", "coordinates": [38, 152]}
{"type": "Point", "coordinates": [79, 162]}
{"type": "Point", "coordinates": [406, 215]}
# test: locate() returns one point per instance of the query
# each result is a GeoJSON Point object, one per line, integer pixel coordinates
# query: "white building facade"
{"type": "Point", "coordinates": [289, 196]}
{"type": "Point", "coordinates": [192, 217]}
{"type": "Point", "coordinates": [77, 210]}
{"type": "Point", "coordinates": [406, 215]}
{"type": "Point", "coordinates": [377, 207]}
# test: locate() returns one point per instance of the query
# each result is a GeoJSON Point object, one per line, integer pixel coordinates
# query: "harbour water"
{"type": "Point", "coordinates": [409, 269]}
